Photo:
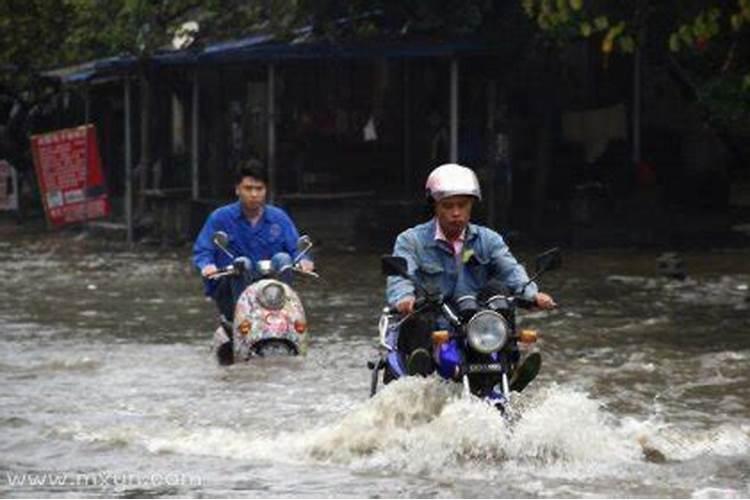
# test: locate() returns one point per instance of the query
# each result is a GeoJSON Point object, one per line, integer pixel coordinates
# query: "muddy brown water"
{"type": "Point", "coordinates": [109, 388]}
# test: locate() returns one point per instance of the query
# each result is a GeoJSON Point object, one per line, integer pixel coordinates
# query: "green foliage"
{"type": "Point", "coordinates": [708, 37]}
{"type": "Point", "coordinates": [728, 99]}
{"type": "Point", "coordinates": [31, 34]}
{"type": "Point", "coordinates": [40, 34]}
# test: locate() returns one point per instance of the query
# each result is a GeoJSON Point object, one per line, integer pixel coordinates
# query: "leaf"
{"type": "Point", "coordinates": [736, 22]}
{"type": "Point", "coordinates": [601, 23]}
{"type": "Point", "coordinates": [586, 29]}
{"type": "Point", "coordinates": [674, 42]}
{"type": "Point", "coordinates": [576, 5]}
{"type": "Point", "coordinates": [627, 44]}
{"type": "Point", "coordinates": [686, 34]}
{"type": "Point", "coordinates": [528, 7]}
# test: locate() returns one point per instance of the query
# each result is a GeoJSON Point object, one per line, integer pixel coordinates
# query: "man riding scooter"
{"type": "Point", "coordinates": [257, 232]}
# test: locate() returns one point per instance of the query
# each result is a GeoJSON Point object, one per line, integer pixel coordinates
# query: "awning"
{"type": "Point", "coordinates": [264, 48]}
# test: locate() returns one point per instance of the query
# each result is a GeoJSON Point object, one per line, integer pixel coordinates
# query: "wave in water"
{"type": "Point", "coordinates": [423, 426]}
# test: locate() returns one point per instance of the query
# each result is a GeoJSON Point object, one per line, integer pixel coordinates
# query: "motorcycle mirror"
{"type": "Point", "coordinates": [549, 260]}
{"type": "Point", "coordinates": [390, 265]}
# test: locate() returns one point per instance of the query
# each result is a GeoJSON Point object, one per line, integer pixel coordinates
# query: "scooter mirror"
{"type": "Point", "coordinates": [304, 243]}
{"type": "Point", "coordinates": [390, 265]}
{"type": "Point", "coordinates": [221, 239]}
{"type": "Point", "coordinates": [549, 260]}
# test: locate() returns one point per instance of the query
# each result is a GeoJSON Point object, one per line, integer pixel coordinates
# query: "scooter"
{"type": "Point", "coordinates": [269, 318]}
{"type": "Point", "coordinates": [480, 347]}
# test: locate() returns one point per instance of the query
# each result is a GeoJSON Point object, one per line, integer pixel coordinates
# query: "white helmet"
{"type": "Point", "coordinates": [452, 179]}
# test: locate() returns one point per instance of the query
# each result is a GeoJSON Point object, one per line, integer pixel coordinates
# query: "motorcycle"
{"type": "Point", "coordinates": [480, 348]}
{"type": "Point", "coordinates": [269, 318]}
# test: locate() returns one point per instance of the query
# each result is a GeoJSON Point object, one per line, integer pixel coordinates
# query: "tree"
{"type": "Point", "coordinates": [706, 43]}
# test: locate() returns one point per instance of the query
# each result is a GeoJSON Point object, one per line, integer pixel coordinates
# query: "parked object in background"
{"type": "Point", "coordinates": [671, 265]}
{"type": "Point", "coordinates": [8, 187]}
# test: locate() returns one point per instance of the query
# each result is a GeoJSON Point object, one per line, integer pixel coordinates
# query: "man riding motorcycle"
{"type": "Point", "coordinates": [454, 257]}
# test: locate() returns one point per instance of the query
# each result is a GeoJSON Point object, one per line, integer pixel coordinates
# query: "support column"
{"type": "Point", "coordinates": [128, 166]}
{"type": "Point", "coordinates": [194, 149]}
{"type": "Point", "coordinates": [408, 174]}
{"type": "Point", "coordinates": [86, 104]}
{"type": "Point", "coordinates": [271, 132]}
{"type": "Point", "coordinates": [637, 104]}
{"type": "Point", "coordinates": [454, 110]}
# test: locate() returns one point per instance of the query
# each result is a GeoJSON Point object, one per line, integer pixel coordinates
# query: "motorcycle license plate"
{"type": "Point", "coordinates": [485, 368]}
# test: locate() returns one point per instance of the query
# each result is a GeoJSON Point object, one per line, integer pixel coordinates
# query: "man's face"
{"type": "Point", "coordinates": [252, 193]}
{"type": "Point", "coordinates": [453, 214]}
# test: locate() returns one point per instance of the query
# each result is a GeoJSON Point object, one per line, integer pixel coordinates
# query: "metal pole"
{"type": "Point", "coordinates": [271, 133]}
{"type": "Point", "coordinates": [454, 110]}
{"type": "Point", "coordinates": [128, 167]}
{"type": "Point", "coordinates": [407, 128]}
{"type": "Point", "coordinates": [637, 107]}
{"type": "Point", "coordinates": [86, 105]}
{"type": "Point", "coordinates": [194, 151]}
{"type": "Point", "coordinates": [489, 161]}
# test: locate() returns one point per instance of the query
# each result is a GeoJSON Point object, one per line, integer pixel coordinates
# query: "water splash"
{"type": "Point", "coordinates": [426, 427]}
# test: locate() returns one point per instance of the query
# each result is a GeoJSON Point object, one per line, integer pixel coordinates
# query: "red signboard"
{"type": "Point", "coordinates": [69, 172]}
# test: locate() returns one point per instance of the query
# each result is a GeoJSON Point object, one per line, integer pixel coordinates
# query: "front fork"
{"type": "Point", "coordinates": [499, 399]}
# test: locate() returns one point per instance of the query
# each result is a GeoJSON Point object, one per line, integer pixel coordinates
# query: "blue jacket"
{"type": "Point", "coordinates": [484, 256]}
{"type": "Point", "coordinates": [274, 232]}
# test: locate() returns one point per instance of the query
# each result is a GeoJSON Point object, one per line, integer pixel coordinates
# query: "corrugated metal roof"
{"type": "Point", "coordinates": [263, 47]}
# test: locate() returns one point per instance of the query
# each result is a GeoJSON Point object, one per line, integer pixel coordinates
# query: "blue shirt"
{"type": "Point", "coordinates": [273, 233]}
{"type": "Point", "coordinates": [484, 256]}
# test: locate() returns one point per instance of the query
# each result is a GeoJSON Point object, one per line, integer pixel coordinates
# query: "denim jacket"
{"type": "Point", "coordinates": [484, 256]}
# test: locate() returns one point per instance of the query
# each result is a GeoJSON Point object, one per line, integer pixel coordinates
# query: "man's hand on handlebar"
{"type": "Point", "coordinates": [544, 301]}
{"type": "Point", "coordinates": [307, 266]}
{"type": "Point", "coordinates": [405, 305]}
{"type": "Point", "coordinates": [208, 270]}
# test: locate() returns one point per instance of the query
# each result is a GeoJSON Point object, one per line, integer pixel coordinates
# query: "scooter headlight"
{"type": "Point", "coordinates": [487, 332]}
{"type": "Point", "coordinates": [272, 296]}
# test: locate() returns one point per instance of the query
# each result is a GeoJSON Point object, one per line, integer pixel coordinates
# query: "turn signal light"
{"type": "Point", "coordinates": [440, 337]}
{"type": "Point", "coordinates": [527, 336]}
{"type": "Point", "coordinates": [300, 327]}
{"type": "Point", "coordinates": [245, 327]}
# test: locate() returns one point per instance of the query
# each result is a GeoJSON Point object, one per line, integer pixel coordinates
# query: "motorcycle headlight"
{"type": "Point", "coordinates": [487, 332]}
{"type": "Point", "coordinates": [272, 296]}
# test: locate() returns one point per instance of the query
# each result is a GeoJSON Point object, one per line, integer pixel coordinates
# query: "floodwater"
{"type": "Point", "coordinates": [108, 387]}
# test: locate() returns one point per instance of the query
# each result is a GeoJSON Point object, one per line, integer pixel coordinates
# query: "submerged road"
{"type": "Point", "coordinates": [108, 388]}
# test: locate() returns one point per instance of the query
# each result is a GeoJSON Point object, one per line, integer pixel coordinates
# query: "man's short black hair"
{"type": "Point", "coordinates": [250, 168]}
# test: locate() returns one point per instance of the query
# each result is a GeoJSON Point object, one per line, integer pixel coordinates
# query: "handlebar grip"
{"type": "Point", "coordinates": [525, 304]}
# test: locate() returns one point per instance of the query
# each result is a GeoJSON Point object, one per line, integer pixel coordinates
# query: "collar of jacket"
{"type": "Point", "coordinates": [471, 233]}
{"type": "Point", "coordinates": [239, 214]}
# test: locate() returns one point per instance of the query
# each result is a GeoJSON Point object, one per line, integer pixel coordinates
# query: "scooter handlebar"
{"type": "Point", "coordinates": [223, 271]}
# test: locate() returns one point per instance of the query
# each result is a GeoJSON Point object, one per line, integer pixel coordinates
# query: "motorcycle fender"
{"type": "Point", "coordinates": [449, 357]}
{"type": "Point", "coordinates": [396, 363]}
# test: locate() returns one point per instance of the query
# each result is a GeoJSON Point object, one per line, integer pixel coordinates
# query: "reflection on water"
{"type": "Point", "coordinates": [105, 369]}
